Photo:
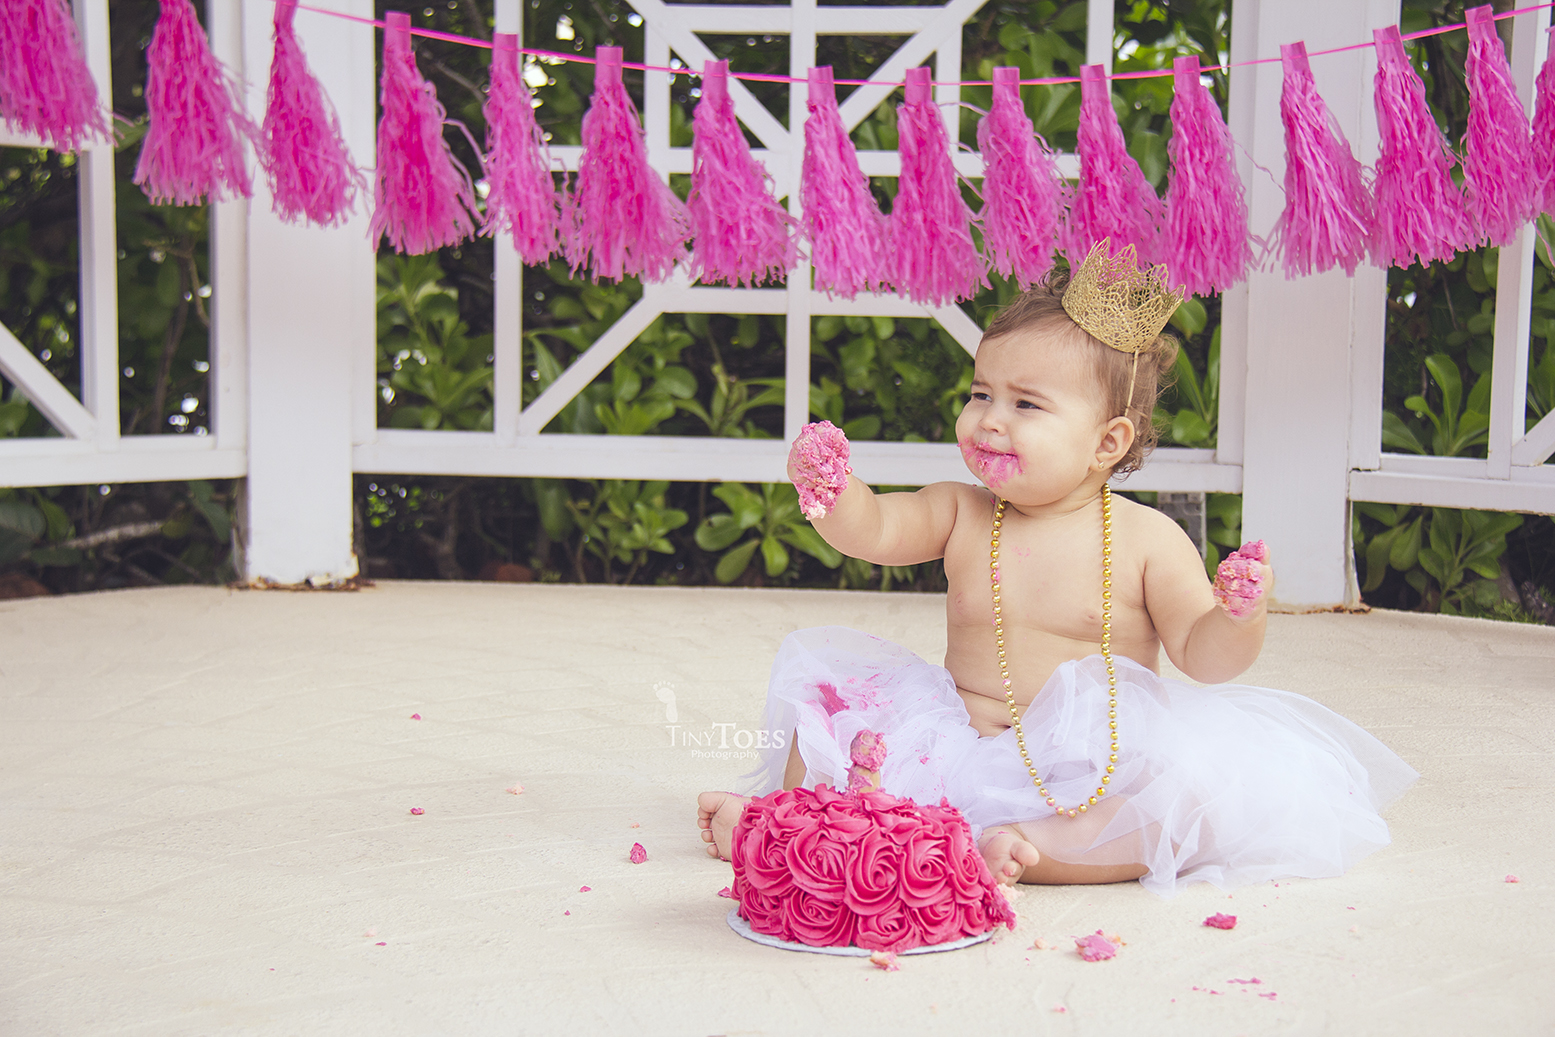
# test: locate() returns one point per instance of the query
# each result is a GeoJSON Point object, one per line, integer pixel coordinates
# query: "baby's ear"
{"type": "Point", "coordinates": [1116, 439]}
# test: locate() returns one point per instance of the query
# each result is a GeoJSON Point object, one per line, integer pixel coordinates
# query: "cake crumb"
{"type": "Point", "coordinates": [1220, 921]}
{"type": "Point", "coordinates": [638, 854]}
{"type": "Point", "coordinates": [885, 961]}
{"type": "Point", "coordinates": [1096, 947]}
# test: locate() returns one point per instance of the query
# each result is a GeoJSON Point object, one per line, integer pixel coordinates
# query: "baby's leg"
{"type": "Point", "coordinates": [719, 812]}
{"type": "Point", "coordinates": [1013, 856]}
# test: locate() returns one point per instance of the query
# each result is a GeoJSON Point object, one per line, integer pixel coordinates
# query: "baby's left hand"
{"type": "Point", "coordinates": [1244, 579]}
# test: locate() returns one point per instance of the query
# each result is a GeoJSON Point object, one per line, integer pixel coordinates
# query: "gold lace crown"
{"type": "Point", "coordinates": [1117, 302]}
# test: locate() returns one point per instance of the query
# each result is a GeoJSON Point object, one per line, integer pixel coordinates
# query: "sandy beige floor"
{"type": "Point", "coordinates": [205, 828]}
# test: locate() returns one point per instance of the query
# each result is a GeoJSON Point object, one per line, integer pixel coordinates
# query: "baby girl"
{"type": "Point", "coordinates": [1071, 765]}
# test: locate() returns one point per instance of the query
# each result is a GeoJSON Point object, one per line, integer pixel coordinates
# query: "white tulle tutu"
{"type": "Point", "coordinates": [1228, 784]}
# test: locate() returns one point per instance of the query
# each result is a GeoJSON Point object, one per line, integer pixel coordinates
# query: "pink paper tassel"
{"type": "Point", "coordinates": [933, 257]}
{"type": "Point", "coordinates": [1206, 242]}
{"type": "Point", "coordinates": [846, 231]}
{"type": "Point", "coordinates": [1498, 166]}
{"type": "Point", "coordinates": [1114, 200]}
{"type": "Point", "coordinates": [1023, 201]}
{"type": "Point", "coordinates": [522, 193]}
{"type": "Point", "coordinates": [45, 87]}
{"type": "Point", "coordinates": [1329, 215]}
{"type": "Point", "coordinates": [742, 235]}
{"type": "Point", "coordinates": [623, 221]}
{"type": "Point", "coordinates": [1420, 211]}
{"type": "Point", "coordinates": [1544, 134]}
{"type": "Point", "coordinates": [424, 199]}
{"type": "Point", "coordinates": [311, 173]}
{"type": "Point", "coordinates": [193, 146]}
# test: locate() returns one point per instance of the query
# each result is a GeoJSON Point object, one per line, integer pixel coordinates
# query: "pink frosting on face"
{"type": "Point", "coordinates": [866, 869]}
{"type": "Point", "coordinates": [1239, 579]}
{"type": "Point", "coordinates": [819, 462]}
{"type": "Point", "coordinates": [994, 467]}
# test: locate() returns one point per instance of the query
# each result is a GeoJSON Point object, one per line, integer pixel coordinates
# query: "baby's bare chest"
{"type": "Point", "coordinates": [1051, 583]}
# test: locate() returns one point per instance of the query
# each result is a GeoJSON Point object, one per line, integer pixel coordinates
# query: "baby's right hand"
{"type": "Point", "coordinates": [818, 467]}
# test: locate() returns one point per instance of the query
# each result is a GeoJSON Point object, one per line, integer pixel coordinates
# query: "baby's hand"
{"type": "Point", "coordinates": [1243, 579]}
{"type": "Point", "coordinates": [818, 468]}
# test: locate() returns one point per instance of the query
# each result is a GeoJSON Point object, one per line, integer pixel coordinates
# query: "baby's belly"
{"type": "Point", "coordinates": [989, 716]}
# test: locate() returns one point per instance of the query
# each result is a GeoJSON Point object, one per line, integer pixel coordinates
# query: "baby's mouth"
{"type": "Point", "coordinates": [995, 467]}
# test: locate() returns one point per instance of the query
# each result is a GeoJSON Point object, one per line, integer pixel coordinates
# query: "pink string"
{"type": "Point", "coordinates": [770, 77]}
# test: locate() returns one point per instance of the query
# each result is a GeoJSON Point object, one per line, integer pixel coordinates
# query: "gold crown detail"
{"type": "Point", "coordinates": [1117, 302]}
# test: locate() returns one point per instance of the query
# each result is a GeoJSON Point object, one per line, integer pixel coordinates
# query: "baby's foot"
{"type": "Point", "coordinates": [1008, 854]}
{"type": "Point", "coordinates": [717, 814]}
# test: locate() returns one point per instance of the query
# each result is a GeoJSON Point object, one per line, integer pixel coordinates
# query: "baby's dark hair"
{"type": "Point", "coordinates": [1041, 309]}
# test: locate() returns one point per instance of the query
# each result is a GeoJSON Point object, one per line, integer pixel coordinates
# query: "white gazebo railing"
{"type": "Point", "coordinates": [294, 340]}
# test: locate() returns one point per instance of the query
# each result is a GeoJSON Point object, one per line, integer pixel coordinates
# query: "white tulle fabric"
{"type": "Point", "coordinates": [1228, 784]}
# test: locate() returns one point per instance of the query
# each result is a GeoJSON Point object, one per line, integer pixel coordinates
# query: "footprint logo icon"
{"type": "Point", "coordinates": [666, 694]}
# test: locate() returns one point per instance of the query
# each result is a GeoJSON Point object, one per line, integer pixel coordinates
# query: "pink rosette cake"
{"type": "Point", "coordinates": [864, 868]}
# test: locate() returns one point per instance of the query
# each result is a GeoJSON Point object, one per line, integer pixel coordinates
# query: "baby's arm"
{"type": "Point", "coordinates": [887, 529]}
{"type": "Point", "coordinates": [1210, 641]}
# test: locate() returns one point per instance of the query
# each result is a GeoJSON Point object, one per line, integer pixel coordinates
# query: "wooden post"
{"type": "Point", "coordinates": [311, 326]}
{"type": "Point", "coordinates": [1303, 337]}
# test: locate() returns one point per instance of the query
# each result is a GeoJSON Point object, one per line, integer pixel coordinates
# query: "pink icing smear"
{"type": "Point", "coordinates": [1239, 579]}
{"type": "Point", "coordinates": [994, 467]}
{"type": "Point", "coordinates": [1220, 921]}
{"type": "Point", "coordinates": [638, 854]}
{"type": "Point", "coordinates": [819, 458]}
{"type": "Point", "coordinates": [830, 700]}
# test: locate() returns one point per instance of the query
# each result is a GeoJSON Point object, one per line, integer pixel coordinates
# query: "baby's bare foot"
{"type": "Point", "coordinates": [1008, 854]}
{"type": "Point", "coordinates": [717, 814]}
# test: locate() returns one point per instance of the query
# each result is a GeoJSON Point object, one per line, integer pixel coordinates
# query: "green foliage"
{"type": "Point", "coordinates": [770, 515]}
{"type": "Point", "coordinates": [1436, 550]}
{"type": "Point", "coordinates": [426, 352]}
{"type": "Point", "coordinates": [622, 521]}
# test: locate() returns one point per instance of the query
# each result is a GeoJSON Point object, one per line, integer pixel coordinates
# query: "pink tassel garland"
{"type": "Point", "coordinates": [310, 170]}
{"type": "Point", "coordinates": [1114, 200]}
{"type": "Point", "coordinates": [623, 221]}
{"type": "Point", "coordinates": [933, 256]}
{"type": "Point", "coordinates": [521, 197]}
{"type": "Point", "coordinates": [1023, 201]}
{"type": "Point", "coordinates": [846, 231]}
{"type": "Point", "coordinates": [1544, 134]}
{"type": "Point", "coordinates": [424, 198]}
{"type": "Point", "coordinates": [742, 235]}
{"type": "Point", "coordinates": [1329, 215]}
{"type": "Point", "coordinates": [193, 148]}
{"type": "Point", "coordinates": [1207, 248]}
{"type": "Point", "coordinates": [46, 88]}
{"type": "Point", "coordinates": [1498, 165]}
{"type": "Point", "coordinates": [1421, 216]}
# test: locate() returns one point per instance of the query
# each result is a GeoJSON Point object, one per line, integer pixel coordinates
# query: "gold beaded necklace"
{"type": "Point", "coordinates": [1106, 654]}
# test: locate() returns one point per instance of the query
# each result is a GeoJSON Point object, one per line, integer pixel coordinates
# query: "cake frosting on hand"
{"type": "Point", "coordinates": [832, 869]}
{"type": "Point", "coordinates": [818, 466]}
{"type": "Point", "coordinates": [1239, 583]}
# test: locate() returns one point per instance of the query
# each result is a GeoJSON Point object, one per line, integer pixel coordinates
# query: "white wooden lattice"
{"type": "Point", "coordinates": [293, 393]}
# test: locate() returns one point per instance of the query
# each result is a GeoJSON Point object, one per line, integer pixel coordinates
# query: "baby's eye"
{"type": "Point", "coordinates": [1026, 405]}
{"type": "Point", "coordinates": [982, 396]}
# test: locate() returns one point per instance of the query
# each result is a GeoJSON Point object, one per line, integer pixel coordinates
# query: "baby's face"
{"type": "Point", "coordinates": [1031, 429]}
